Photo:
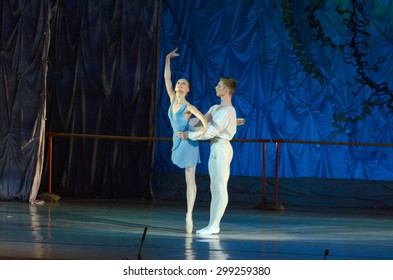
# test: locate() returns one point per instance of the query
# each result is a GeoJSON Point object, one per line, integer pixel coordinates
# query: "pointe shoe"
{"type": "Point", "coordinates": [208, 230]}
{"type": "Point", "coordinates": [189, 225]}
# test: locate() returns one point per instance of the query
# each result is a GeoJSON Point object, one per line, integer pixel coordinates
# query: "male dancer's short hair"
{"type": "Point", "coordinates": [230, 83]}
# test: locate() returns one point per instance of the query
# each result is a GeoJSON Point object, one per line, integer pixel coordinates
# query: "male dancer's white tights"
{"type": "Point", "coordinates": [221, 154]}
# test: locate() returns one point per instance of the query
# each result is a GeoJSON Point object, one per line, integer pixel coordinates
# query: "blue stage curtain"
{"type": "Point", "coordinates": [24, 42]}
{"type": "Point", "coordinates": [306, 70]}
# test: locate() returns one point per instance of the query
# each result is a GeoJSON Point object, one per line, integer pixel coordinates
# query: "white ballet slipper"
{"type": "Point", "coordinates": [208, 230]}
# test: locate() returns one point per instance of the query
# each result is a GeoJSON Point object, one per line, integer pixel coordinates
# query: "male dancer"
{"type": "Point", "coordinates": [221, 129]}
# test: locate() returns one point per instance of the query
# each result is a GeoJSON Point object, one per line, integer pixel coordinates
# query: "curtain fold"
{"type": "Point", "coordinates": [102, 81]}
{"type": "Point", "coordinates": [306, 70]}
{"type": "Point", "coordinates": [98, 69]}
{"type": "Point", "coordinates": [25, 37]}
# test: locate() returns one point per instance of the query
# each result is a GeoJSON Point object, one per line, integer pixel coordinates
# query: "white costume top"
{"type": "Point", "coordinates": [222, 124]}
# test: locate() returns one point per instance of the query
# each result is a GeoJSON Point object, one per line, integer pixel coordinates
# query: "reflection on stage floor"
{"type": "Point", "coordinates": [83, 229]}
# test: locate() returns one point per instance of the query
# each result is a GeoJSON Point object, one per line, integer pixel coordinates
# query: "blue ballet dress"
{"type": "Point", "coordinates": [185, 153]}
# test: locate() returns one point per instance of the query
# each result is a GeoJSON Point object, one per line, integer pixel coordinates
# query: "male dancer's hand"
{"type": "Point", "coordinates": [203, 131]}
{"type": "Point", "coordinates": [183, 135]}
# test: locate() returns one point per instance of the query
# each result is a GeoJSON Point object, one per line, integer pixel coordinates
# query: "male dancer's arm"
{"type": "Point", "coordinates": [216, 126]}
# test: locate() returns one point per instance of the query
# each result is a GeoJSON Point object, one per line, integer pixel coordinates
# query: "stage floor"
{"type": "Point", "coordinates": [83, 229]}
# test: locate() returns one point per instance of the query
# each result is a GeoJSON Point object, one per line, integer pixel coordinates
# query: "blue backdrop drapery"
{"type": "Point", "coordinates": [306, 70]}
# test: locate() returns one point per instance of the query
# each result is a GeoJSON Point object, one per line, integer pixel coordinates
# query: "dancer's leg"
{"type": "Point", "coordinates": [219, 170]}
{"type": "Point", "coordinates": [191, 195]}
{"type": "Point", "coordinates": [212, 170]}
{"type": "Point", "coordinates": [213, 165]}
